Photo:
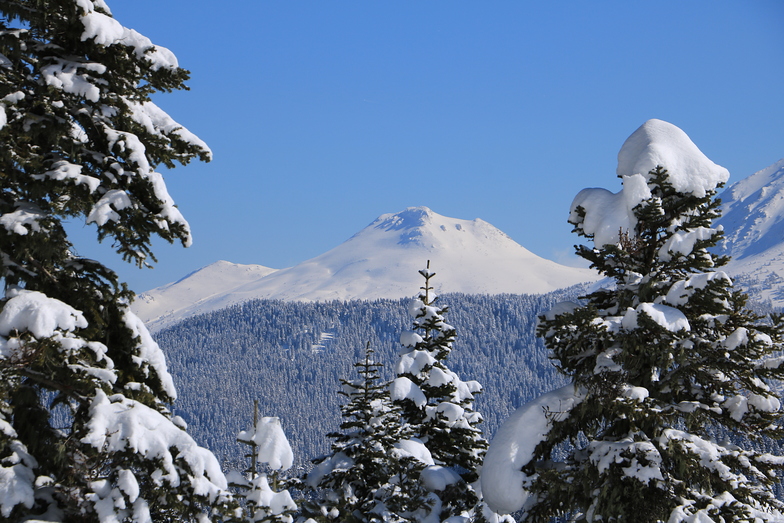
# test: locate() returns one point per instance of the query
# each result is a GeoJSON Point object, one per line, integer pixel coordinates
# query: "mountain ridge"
{"type": "Point", "coordinates": [753, 222]}
{"type": "Point", "coordinates": [379, 261]}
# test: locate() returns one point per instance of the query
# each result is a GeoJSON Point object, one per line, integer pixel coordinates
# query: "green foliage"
{"type": "Point", "coordinates": [672, 367]}
{"type": "Point", "coordinates": [443, 417]}
{"type": "Point", "coordinates": [369, 477]}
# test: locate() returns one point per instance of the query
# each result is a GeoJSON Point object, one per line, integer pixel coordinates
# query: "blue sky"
{"type": "Point", "coordinates": [324, 115]}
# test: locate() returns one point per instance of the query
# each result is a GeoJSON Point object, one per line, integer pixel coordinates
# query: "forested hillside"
{"type": "Point", "coordinates": [290, 356]}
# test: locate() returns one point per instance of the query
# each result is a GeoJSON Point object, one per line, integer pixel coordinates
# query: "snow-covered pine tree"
{"type": "Point", "coordinates": [269, 446]}
{"type": "Point", "coordinates": [373, 471]}
{"type": "Point", "coordinates": [438, 405]}
{"type": "Point", "coordinates": [85, 433]}
{"type": "Point", "coordinates": [671, 373]}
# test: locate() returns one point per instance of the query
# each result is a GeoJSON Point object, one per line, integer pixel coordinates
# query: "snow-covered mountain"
{"type": "Point", "coordinates": [753, 221]}
{"type": "Point", "coordinates": [380, 261]}
{"type": "Point", "coordinates": [195, 288]}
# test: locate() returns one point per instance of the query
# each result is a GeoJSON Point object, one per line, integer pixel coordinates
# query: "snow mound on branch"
{"type": "Point", "coordinates": [118, 424]}
{"type": "Point", "coordinates": [39, 314]}
{"type": "Point", "coordinates": [607, 213]}
{"type": "Point", "coordinates": [149, 353]}
{"type": "Point", "coordinates": [273, 447]}
{"type": "Point", "coordinates": [16, 474]}
{"type": "Point", "coordinates": [267, 500]}
{"type": "Point", "coordinates": [660, 143]}
{"type": "Point", "coordinates": [502, 479]}
{"type": "Point", "coordinates": [106, 31]}
{"type": "Point", "coordinates": [655, 143]}
{"type": "Point", "coordinates": [670, 318]}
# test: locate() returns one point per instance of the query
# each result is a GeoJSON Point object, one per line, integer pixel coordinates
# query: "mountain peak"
{"type": "Point", "coordinates": [408, 222]}
{"type": "Point", "coordinates": [409, 218]}
{"type": "Point", "coordinates": [383, 259]}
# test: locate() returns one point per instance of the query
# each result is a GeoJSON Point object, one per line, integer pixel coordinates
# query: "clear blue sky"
{"type": "Point", "coordinates": [324, 115]}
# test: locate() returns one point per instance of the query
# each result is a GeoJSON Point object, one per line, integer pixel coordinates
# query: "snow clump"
{"type": "Point", "coordinates": [655, 143]}
{"type": "Point", "coordinates": [502, 479]}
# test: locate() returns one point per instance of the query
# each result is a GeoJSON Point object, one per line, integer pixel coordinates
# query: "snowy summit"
{"type": "Point", "coordinates": [380, 261]}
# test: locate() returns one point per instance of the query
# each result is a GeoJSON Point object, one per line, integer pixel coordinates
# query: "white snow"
{"type": "Point", "coordinates": [753, 222]}
{"type": "Point", "coordinates": [274, 503]}
{"type": "Point", "coordinates": [668, 317]}
{"type": "Point", "coordinates": [119, 424]}
{"type": "Point", "coordinates": [764, 403]}
{"type": "Point", "coordinates": [105, 210]}
{"type": "Point", "coordinates": [564, 307]}
{"type": "Point", "coordinates": [156, 121]}
{"type": "Point", "coordinates": [683, 242]}
{"type": "Point", "coordinates": [413, 362]}
{"type": "Point", "coordinates": [502, 479]}
{"type": "Point", "coordinates": [654, 143]}
{"type": "Point", "coordinates": [339, 461]}
{"type": "Point", "coordinates": [166, 304]}
{"type": "Point", "coordinates": [126, 481]}
{"type": "Point", "coordinates": [635, 393]}
{"type": "Point", "coordinates": [273, 447]}
{"type": "Point", "coordinates": [681, 290]}
{"type": "Point", "coordinates": [605, 453]}
{"type": "Point", "coordinates": [414, 448]}
{"type": "Point", "coordinates": [63, 170]}
{"type": "Point", "coordinates": [16, 473]}
{"type": "Point", "coordinates": [450, 411]}
{"type": "Point", "coordinates": [382, 261]}
{"type": "Point", "coordinates": [410, 338]}
{"type": "Point", "coordinates": [436, 477]}
{"type": "Point", "coordinates": [26, 214]}
{"type": "Point", "coordinates": [149, 353]}
{"type": "Point", "coordinates": [403, 388]}
{"type": "Point", "coordinates": [739, 336]}
{"type": "Point", "coordinates": [660, 143]}
{"type": "Point", "coordinates": [607, 213]}
{"type": "Point", "coordinates": [106, 31]}
{"type": "Point", "coordinates": [36, 312]}
{"type": "Point", "coordinates": [73, 78]}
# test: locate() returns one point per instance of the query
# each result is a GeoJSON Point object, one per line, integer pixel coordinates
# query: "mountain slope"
{"type": "Point", "coordinates": [382, 260]}
{"type": "Point", "coordinates": [753, 221]}
{"type": "Point", "coordinates": [166, 303]}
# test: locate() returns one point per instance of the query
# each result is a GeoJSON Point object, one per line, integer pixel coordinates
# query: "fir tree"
{"type": "Point", "coordinates": [373, 471]}
{"type": "Point", "coordinates": [438, 405]}
{"type": "Point", "coordinates": [82, 383]}
{"type": "Point", "coordinates": [670, 371]}
{"type": "Point", "coordinates": [265, 503]}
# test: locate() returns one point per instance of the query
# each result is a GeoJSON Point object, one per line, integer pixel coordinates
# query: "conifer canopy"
{"type": "Point", "coordinates": [85, 431]}
{"type": "Point", "coordinates": [672, 376]}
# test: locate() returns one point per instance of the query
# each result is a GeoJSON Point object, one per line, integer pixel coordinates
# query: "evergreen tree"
{"type": "Point", "coordinates": [85, 432]}
{"type": "Point", "coordinates": [671, 374]}
{"type": "Point", "coordinates": [373, 471]}
{"type": "Point", "coordinates": [438, 405]}
{"type": "Point", "coordinates": [269, 446]}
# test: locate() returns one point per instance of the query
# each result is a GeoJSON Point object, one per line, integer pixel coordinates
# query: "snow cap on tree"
{"type": "Point", "coordinates": [272, 446]}
{"type": "Point", "coordinates": [655, 143]}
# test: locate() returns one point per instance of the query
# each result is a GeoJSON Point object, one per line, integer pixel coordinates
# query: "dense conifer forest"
{"type": "Point", "coordinates": [291, 355]}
